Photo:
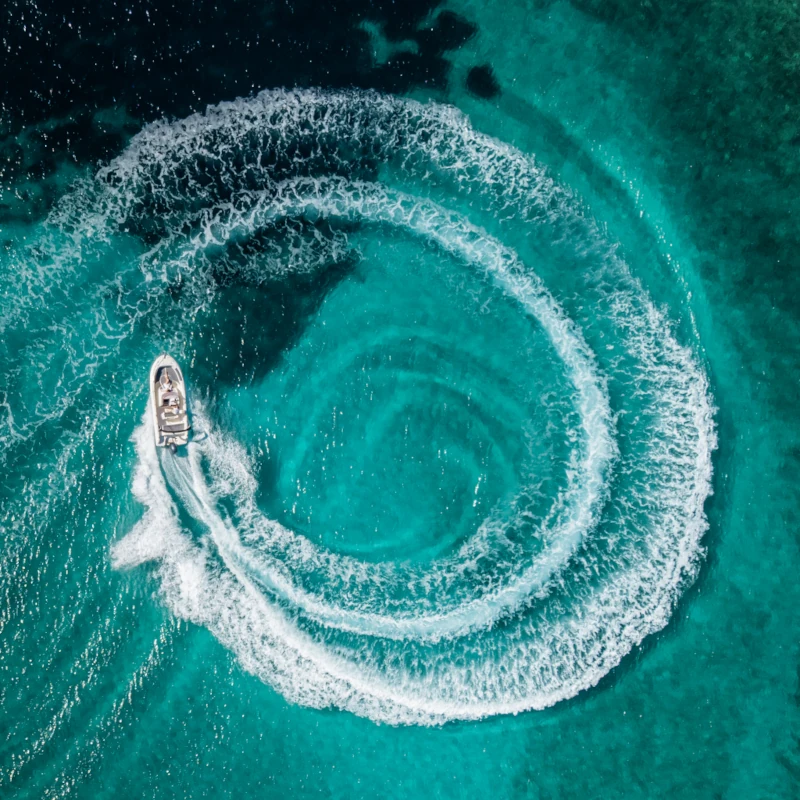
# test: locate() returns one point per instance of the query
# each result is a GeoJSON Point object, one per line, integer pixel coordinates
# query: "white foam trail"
{"type": "Point", "coordinates": [438, 657]}
{"type": "Point", "coordinates": [226, 601]}
{"type": "Point", "coordinates": [337, 198]}
{"type": "Point", "coordinates": [270, 646]}
{"type": "Point", "coordinates": [158, 534]}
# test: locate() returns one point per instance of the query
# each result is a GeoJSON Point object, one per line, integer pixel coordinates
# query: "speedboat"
{"type": "Point", "coordinates": [169, 402]}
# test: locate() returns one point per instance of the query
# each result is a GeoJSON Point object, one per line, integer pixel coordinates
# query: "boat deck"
{"type": "Point", "coordinates": [172, 416]}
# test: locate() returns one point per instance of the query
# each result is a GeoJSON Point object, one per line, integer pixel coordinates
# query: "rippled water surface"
{"type": "Point", "coordinates": [489, 326]}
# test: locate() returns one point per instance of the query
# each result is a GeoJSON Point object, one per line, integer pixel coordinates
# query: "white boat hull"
{"type": "Point", "coordinates": [169, 403]}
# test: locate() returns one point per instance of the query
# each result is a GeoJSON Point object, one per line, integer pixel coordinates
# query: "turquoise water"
{"type": "Point", "coordinates": [491, 489]}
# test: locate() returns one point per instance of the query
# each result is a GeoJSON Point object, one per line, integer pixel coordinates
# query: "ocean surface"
{"type": "Point", "coordinates": [490, 323]}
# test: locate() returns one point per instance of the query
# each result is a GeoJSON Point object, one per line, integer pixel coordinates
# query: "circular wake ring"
{"type": "Point", "coordinates": [358, 201]}
{"type": "Point", "coordinates": [463, 642]}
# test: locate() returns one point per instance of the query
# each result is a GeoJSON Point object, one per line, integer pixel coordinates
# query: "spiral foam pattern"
{"type": "Point", "coordinates": [550, 590]}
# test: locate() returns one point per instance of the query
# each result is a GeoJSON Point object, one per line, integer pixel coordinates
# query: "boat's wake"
{"type": "Point", "coordinates": [505, 622]}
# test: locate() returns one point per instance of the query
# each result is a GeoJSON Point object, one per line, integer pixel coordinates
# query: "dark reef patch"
{"type": "Point", "coordinates": [482, 83]}
{"type": "Point", "coordinates": [148, 60]}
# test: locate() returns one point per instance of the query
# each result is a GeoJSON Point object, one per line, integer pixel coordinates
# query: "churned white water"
{"type": "Point", "coordinates": [495, 626]}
